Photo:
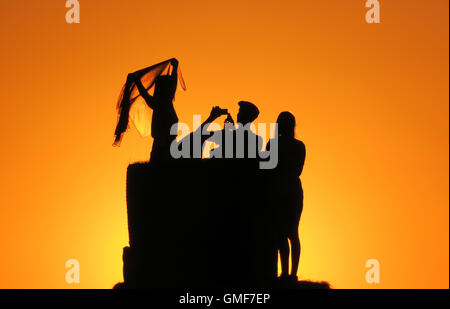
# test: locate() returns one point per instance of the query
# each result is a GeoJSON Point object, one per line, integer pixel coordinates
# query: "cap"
{"type": "Point", "coordinates": [249, 109]}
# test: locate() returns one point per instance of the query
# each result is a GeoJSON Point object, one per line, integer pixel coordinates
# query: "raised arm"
{"type": "Point", "coordinates": [174, 74]}
{"type": "Point", "coordinates": [174, 62]}
{"type": "Point", "coordinates": [143, 92]}
{"type": "Point", "coordinates": [216, 112]}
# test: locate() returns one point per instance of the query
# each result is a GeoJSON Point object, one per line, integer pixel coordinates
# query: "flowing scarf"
{"type": "Point", "coordinates": [132, 106]}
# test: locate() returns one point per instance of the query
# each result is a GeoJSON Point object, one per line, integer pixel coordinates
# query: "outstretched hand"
{"type": "Point", "coordinates": [229, 119]}
{"type": "Point", "coordinates": [216, 112]}
{"type": "Point", "coordinates": [131, 77]}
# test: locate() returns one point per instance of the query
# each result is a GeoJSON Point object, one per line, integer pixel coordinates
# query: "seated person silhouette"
{"type": "Point", "coordinates": [234, 141]}
{"type": "Point", "coordinates": [164, 114]}
{"type": "Point", "coordinates": [286, 193]}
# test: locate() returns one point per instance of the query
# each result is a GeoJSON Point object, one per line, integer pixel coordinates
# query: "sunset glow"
{"type": "Point", "coordinates": [371, 103]}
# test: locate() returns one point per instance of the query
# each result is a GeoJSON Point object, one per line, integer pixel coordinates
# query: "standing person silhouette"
{"type": "Point", "coordinates": [164, 114]}
{"type": "Point", "coordinates": [287, 193]}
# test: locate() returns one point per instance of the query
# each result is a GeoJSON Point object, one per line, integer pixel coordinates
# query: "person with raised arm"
{"type": "Point", "coordinates": [164, 114]}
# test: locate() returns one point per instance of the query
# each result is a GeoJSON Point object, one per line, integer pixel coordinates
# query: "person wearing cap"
{"type": "Point", "coordinates": [245, 143]}
{"type": "Point", "coordinates": [234, 141]}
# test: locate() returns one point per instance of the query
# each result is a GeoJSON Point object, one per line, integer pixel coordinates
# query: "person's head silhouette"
{"type": "Point", "coordinates": [165, 87]}
{"type": "Point", "coordinates": [286, 124]}
{"type": "Point", "coordinates": [248, 112]}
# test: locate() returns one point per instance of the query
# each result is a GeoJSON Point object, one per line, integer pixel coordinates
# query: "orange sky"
{"type": "Point", "coordinates": [371, 102]}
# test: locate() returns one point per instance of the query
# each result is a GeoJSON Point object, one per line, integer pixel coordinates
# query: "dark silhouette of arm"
{"type": "Point", "coordinates": [174, 72]}
{"type": "Point", "coordinates": [144, 93]}
{"type": "Point", "coordinates": [301, 154]}
{"type": "Point", "coordinates": [216, 112]}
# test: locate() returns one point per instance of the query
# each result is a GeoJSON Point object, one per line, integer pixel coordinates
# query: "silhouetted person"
{"type": "Point", "coordinates": [244, 143]}
{"type": "Point", "coordinates": [164, 115]}
{"type": "Point", "coordinates": [287, 193]}
{"type": "Point", "coordinates": [235, 141]}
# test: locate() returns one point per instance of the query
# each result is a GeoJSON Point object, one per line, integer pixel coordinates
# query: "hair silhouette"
{"type": "Point", "coordinates": [286, 124]}
{"type": "Point", "coordinates": [165, 87]}
{"type": "Point", "coordinates": [248, 112]}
